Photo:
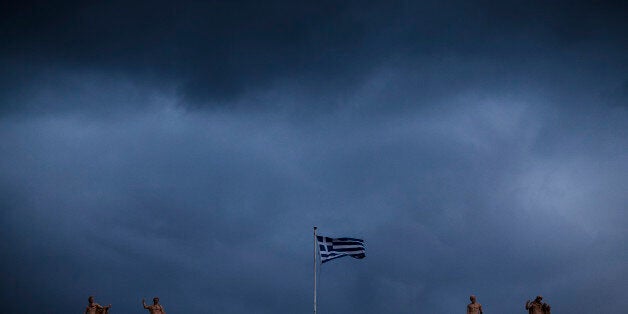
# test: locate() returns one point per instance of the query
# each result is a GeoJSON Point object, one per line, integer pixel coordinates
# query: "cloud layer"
{"type": "Point", "coordinates": [186, 151]}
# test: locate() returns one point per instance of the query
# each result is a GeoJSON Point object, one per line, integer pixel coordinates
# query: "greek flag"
{"type": "Point", "coordinates": [331, 248]}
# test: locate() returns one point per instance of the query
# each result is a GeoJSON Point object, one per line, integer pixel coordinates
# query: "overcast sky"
{"type": "Point", "coordinates": [186, 151]}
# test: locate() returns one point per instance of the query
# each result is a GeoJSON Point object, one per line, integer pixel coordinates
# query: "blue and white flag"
{"type": "Point", "coordinates": [331, 248]}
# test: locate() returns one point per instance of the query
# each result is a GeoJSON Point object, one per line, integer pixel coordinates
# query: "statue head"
{"type": "Point", "coordinates": [155, 300]}
{"type": "Point", "coordinates": [538, 298]}
{"type": "Point", "coordinates": [472, 298]}
{"type": "Point", "coordinates": [90, 299]}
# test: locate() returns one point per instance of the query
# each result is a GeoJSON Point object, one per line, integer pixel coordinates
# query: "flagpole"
{"type": "Point", "coordinates": [315, 270]}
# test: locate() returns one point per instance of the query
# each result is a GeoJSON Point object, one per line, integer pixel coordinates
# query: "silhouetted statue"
{"type": "Point", "coordinates": [156, 308]}
{"type": "Point", "coordinates": [95, 308]}
{"type": "Point", "coordinates": [537, 306]}
{"type": "Point", "coordinates": [474, 307]}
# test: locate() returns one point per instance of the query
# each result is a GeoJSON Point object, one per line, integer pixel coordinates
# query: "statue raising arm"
{"type": "Point", "coordinates": [155, 308]}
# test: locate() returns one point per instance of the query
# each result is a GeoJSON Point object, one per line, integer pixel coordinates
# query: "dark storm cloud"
{"type": "Point", "coordinates": [215, 51]}
{"type": "Point", "coordinates": [477, 147]}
